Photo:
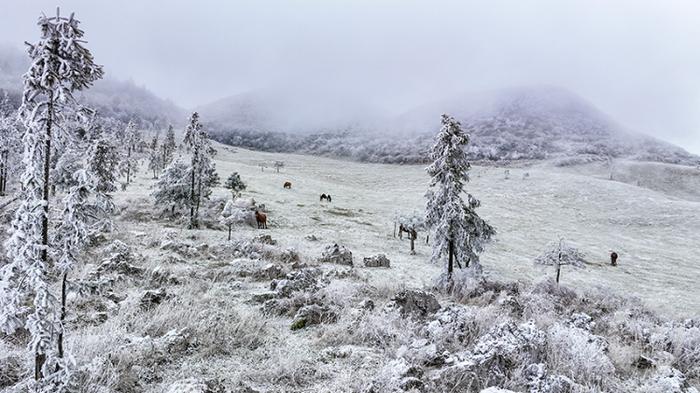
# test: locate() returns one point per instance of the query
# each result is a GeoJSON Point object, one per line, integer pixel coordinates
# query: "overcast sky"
{"type": "Point", "coordinates": [638, 61]}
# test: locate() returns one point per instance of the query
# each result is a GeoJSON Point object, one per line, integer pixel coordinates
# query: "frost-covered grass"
{"type": "Point", "coordinates": [192, 314]}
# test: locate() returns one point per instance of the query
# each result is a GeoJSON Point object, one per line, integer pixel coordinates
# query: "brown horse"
{"type": "Point", "coordinates": [261, 219]}
{"type": "Point", "coordinates": [288, 185]}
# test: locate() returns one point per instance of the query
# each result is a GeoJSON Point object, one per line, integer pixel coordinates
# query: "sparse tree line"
{"type": "Point", "coordinates": [494, 139]}
{"type": "Point", "coordinates": [60, 163]}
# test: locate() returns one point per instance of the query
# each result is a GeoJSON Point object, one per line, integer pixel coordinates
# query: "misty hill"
{"type": "Point", "coordinates": [509, 124]}
{"type": "Point", "coordinates": [122, 100]}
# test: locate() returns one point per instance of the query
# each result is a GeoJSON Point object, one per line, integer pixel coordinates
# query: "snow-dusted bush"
{"type": "Point", "coordinates": [578, 354]}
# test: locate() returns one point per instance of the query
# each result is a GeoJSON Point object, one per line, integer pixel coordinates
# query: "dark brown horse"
{"type": "Point", "coordinates": [287, 185]}
{"type": "Point", "coordinates": [261, 219]}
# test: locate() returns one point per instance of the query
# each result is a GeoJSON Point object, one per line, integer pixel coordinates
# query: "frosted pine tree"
{"type": "Point", "coordinates": [155, 157]}
{"type": "Point", "coordinates": [132, 141]}
{"type": "Point", "coordinates": [203, 174]}
{"type": "Point", "coordinates": [458, 231]}
{"type": "Point", "coordinates": [103, 160]}
{"type": "Point", "coordinates": [235, 184]}
{"type": "Point", "coordinates": [72, 234]}
{"type": "Point", "coordinates": [60, 65]}
{"type": "Point", "coordinates": [173, 187]}
{"type": "Point", "coordinates": [10, 144]}
{"type": "Point", "coordinates": [168, 147]}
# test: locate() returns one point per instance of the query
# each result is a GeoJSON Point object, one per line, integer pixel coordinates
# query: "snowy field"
{"type": "Point", "coordinates": [656, 233]}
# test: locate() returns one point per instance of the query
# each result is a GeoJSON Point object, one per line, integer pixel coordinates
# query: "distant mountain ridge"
{"type": "Point", "coordinates": [122, 100]}
{"type": "Point", "coordinates": [510, 124]}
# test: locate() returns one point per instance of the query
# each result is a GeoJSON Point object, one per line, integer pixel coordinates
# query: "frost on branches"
{"type": "Point", "coordinates": [173, 187]}
{"type": "Point", "coordinates": [155, 157]}
{"type": "Point", "coordinates": [457, 230]}
{"type": "Point", "coordinates": [559, 254]}
{"type": "Point", "coordinates": [10, 143]}
{"type": "Point", "coordinates": [60, 65]}
{"type": "Point", "coordinates": [203, 173]}
{"type": "Point", "coordinates": [168, 147]}
{"type": "Point", "coordinates": [131, 143]}
{"type": "Point", "coordinates": [235, 184]}
{"type": "Point", "coordinates": [411, 224]}
{"type": "Point", "coordinates": [234, 214]}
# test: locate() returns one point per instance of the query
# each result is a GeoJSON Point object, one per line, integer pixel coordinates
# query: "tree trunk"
{"type": "Point", "coordinates": [192, 220]}
{"type": "Point", "coordinates": [64, 283]}
{"type": "Point", "coordinates": [558, 272]}
{"type": "Point", "coordinates": [128, 164]}
{"type": "Point", "coordinates": [394, 229]}
{"type": "Point", "coordinates": [229, 232]}
{"type": "Point", "coordinates": [450, 263]}
{"type": "Point", "coordinates": [199, 199]}
{"type": "Point", "coordinates": [413, 248]}
{"type": "Point", "coordinates": [40, 358]}
{"type": "Point", "coordinates": [3, 161]}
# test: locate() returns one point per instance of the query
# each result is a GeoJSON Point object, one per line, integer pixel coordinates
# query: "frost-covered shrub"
{"type": "Point", "coordinates": [453, 327]}
{"type": "Point", "coordinates": [578, 354]}
{"type": "Point", "coordinates": [667, 380]}
{"type": "Point", "coordinates": [306, 279]}
{"type": "Point", "coordinates": [385, 330]}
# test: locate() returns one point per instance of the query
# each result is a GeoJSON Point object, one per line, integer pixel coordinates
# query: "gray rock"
{"type": "Point", "coordinates": [313, 314]}
{"type": "Point", "coordinates": [269, 272]}
{"type": "Point", "coordinates": [415, 302]}
{"type": "Point", "coordinates": [336, 254]}
{"type": "Point", "coordinates": [379, 260]}
{"type": "Point", "coordinates": [152, 298]}
{"type": "Point", "coordinates": [265, 239]}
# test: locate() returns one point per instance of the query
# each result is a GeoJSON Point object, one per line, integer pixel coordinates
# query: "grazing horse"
{"type": "Point", "coordinates": [288, 185]}
{"type": "Point", "coordinates": [412, 234]}
{"type": "Point", "coordinates": [326, 197]}
{"type": "Point", "coordinates": [261, 219]}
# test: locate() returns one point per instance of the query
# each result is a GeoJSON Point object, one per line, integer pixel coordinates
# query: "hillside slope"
{"type": "Point", "coordinates": [122, 100]}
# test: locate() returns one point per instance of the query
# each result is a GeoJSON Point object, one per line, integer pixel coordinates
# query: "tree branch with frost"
{"type": "Point", "coordinates": [559, 254]}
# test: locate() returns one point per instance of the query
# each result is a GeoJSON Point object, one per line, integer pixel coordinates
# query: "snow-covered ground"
{"type": "Point", "coordinates": [655, 233]}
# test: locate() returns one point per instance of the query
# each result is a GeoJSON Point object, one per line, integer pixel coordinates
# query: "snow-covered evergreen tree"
{"type": "Point", "coordinates": [60, 65]}
{"type": "Point", "coordinates": [203, 173]}
{"type": "Point", "coordinates": [155, 158]}
{"type": "Point", "coordinates": [131, 145]}
{"type": "Point", "coordinates": [278, 165]}
{"type": "Point", "coordinates": [235, 184]}
{"type": "Point", "coordinates": [168, 147]}
{"type": "Point", "coordinates": [103, 160]}
{"type": "Point", "coordinates": [173, 186]}
{"type": "Point", "coordinates": [10, 143]}
{"type": "Point", "coordinates": [457, 230]}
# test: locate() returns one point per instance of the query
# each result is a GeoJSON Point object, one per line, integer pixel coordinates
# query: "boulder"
{"type": "Point", "coordinates": [415, 303]}
{"type": "Point", "coordinates": [152, 298]}
{"type": "Point", "coordinates": [376, 261]}
{"type": "Point", "coordinates": [265, 239]}
{"type": "Point", "coordinates": [313, 314]}
{"type": "Point", "coordinates": [298, 280]}
{"type": "Point", "coordinates": [269, 272]}
{"type": "Point", "coordinates": [339, 255]}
